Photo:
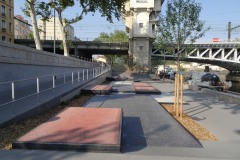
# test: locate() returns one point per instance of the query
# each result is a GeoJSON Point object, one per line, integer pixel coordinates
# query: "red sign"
{"type": "Point", "coordinates": [215, 39]}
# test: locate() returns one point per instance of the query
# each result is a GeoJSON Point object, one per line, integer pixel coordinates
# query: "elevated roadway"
{"type": "Point", "coordinates": [81, 49]}
{"type": "Point", "coordinates": [223, 54]}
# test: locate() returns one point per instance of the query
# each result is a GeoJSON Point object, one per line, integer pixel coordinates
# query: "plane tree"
{"type": "Point", "coordinates": [32, 9]}
{"type": "Point", "coordinates": [179, 25]}
{"type": "Point", "coordinates": [107, 8]}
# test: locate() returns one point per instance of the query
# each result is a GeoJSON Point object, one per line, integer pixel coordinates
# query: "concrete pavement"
{"type": "Point", "coordinates": [145, 125]}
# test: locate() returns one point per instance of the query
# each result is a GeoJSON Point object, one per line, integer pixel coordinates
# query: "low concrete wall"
{"type": "Point", "coordinates": [20, 62]}
{"type": "Point", "coordinates": [29, 107]}
{"type": "Point", "coordinates": [233, 78]}
{"type": "Point", "coordinates": [223, 96]}
{"type": "Point", "coordinates": [99, 80]}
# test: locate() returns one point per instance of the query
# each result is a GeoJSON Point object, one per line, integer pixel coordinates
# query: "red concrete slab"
{"type": "Point", "coordinates": [146, 90]}
{"type": "Point", "coordinates": [97, 129]}
{"type": "Point", "coordinates": [101, 88]}
{"type": "Point", "coordinates": [141, 84]}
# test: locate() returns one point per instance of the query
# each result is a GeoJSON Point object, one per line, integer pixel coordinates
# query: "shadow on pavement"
{"type": "Point", "coordinates": [133, 138]}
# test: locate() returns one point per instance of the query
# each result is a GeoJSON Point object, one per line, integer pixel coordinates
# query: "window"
{"type": "Point", "coordinates": [10, 27]}
{"type": "Point", "coordinates": [3, 25]}
{"type": "Point", "coordinates": [140, 25]}
{"type": "Point", "coordinates": [3, 10]}
{"type": "Point", "coordinates": [3, 38]}
{"type": "Point", "coordinates": [10, 13]}
{"type": "Point", "coordinates": [140, 48]}
{"type": "Point", "coordinates": [153, 28]}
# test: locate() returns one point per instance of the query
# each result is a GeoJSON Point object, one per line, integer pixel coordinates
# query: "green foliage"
{"type": "Point", "coordinates": [128, 61]}
{"type": "Point", "coordinates": [30, 36]}
{"type": "Point", "coordinates": [156, 61]}
{"type": "Point", "coordinates": [69, 44]}
{"type": "Point", "coordinates": [119, 36]}
{"type": "Point", "coordinates": [116, 36]}
{"type": "Point", "coordinates": [111, 58]}
{"type": "Point", "coordinates": [180, 24]}
{"type": "Point", "coordinates": [107, 8]}
{"type": "Point", "coordinates": [103, 37]}
{"type": "Point", "coordinates": [42, 9]}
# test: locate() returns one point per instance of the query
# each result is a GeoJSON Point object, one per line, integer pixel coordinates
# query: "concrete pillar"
{"type": "Point", "coordinates": [140, 18]}
{"type": "Point", "coordinates": [139, 48]}
{"type": "Point", "coordinates": [140, 40]}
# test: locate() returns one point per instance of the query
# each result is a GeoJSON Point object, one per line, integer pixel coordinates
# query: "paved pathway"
{"type": "Point", "coordinates": [221, 118]}
{"type": "Point", "coordinates": [145, 122]}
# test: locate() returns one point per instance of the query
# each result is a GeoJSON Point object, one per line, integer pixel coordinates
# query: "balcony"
{"type": "Point", "coordinates": [4, 14]}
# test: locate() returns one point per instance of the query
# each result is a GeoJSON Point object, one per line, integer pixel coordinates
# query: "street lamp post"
{"type": "Point", "coordinates": [54, 31]}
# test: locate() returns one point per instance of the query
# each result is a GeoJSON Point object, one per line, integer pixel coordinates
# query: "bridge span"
{"type": "Point", "coordinates": [226, 55]}
{"type": "Point", "coordinates": [81, 49]}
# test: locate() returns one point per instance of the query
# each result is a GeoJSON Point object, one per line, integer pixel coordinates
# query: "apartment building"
{"type": "Point", "coordinates": [7, 20]}
{"type": "Point", "coordinates": [21, 28]}
{"type": "Point", "coordinates": [47, 30]}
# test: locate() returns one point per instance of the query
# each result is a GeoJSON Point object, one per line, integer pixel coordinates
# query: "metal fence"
{"type": "Point", "coordinates": [17, 97]}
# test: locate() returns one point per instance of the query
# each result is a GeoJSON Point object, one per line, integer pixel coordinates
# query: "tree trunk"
{"type": "Point", "coordinates": [178, 59]}
{"type": "Point", "coordinates": [178, 66]}
{"type": "Point", "coordinates": [35, 27]}
{"type": "Point", "coordinates": [64, 36]}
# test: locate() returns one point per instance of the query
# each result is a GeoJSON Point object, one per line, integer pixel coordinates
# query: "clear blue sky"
{"type": "Point", "coordinates": [216, 14]}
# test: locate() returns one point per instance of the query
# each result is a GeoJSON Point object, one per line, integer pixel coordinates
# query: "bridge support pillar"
{"type": "Point", "coordinates": [140, 20]}
{"type": "Point", "coordinates": [140, 49]}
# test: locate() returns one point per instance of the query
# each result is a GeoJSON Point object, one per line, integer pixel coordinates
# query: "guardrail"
{"type": "Point", "coordinates": [22, 95]}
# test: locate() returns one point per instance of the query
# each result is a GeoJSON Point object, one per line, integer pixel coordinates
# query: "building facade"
{"type": "Point", "coordinates": [140, 18]}
{"type": "Point", "coordinates": [7, 20]}
{"type": "Point", "coordinates": [47, 30]}
{"type": "Point", "coordinates": [21, 28]}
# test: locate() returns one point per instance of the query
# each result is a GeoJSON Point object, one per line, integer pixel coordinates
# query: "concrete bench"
{"type": "Point", "coordinates": [98, 89]}
{"type": "Point", "coordinates": [145, 88]}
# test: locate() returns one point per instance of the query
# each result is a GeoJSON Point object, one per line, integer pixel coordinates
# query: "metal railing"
{"type": "Point", "coordinates": [23, 95]}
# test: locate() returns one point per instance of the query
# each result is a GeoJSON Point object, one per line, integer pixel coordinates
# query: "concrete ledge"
{"type": "Point", "coordinates": [98, 89]}
{"type": "Point", "coordinates": [233, 78]}
{"type": "Point", "coordinates": [224, 96]}
{"type": "Point", "coordinates": [145, 88]}
{"type": "Point", "coordinates": [98, 80]}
